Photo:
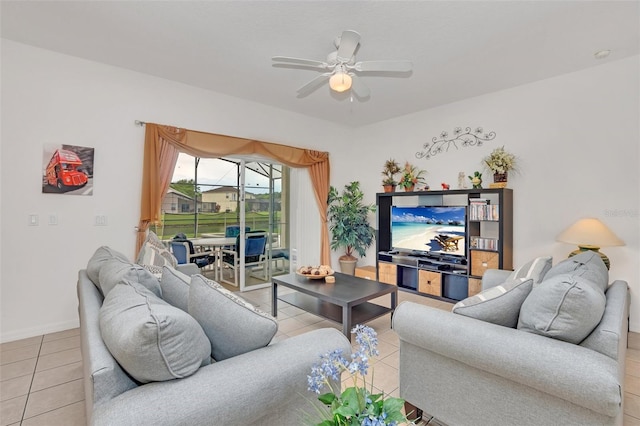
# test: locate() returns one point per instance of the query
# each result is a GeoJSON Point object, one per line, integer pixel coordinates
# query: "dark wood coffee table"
{"type": "Point", "coordinates": [346, 301]}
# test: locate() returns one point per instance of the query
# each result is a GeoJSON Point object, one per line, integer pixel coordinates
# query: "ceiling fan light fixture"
{"type": "Point", "coordinates": [340, 82]}
{"type": "Point", "coordinates": [341, 68]}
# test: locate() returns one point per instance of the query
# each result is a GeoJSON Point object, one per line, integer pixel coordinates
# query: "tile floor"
{"type": "Point", "coordinates": [41, 381]}
{"type": "Point", "coordinates": [41, 377]}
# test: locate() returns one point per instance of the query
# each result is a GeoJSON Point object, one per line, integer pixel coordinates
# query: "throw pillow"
{"type": "Point", "coordinates": [498, 305]}
{"type": "Point", "coordinates": [605, 337]}
{"type": "Point", "coordinates": [150, 339]}
{"type": "Point", "coordinates": [565, 307]}
{"type": "Point", "coordinates": [534, 269]}
{"type": "Point", "coordinates": [232, 325]}
{"type": "Point", "coordinates": [154, 253]}
{"type": "Point", "coordinates": [101, 255]}
{"type": "Point", "coordinates": [115, 271]}
{"type": "Point", "coordinates": [175, 288]}
{"type": "Point", "coordinates": [587, 264]}
{"type": "Point", "coordinates": [156, 271]}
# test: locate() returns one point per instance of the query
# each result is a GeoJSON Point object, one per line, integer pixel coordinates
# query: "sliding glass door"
{"type": "Point", "coordinates": [266, 201]}
{"type": "Point", "coordinates": [236, 199]}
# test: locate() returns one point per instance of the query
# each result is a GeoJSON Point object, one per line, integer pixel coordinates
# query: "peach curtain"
{"type": "Point", "coordinates": [160, 159]}
{"type": "Point", "coordinates": [159, 164]}
{"type": "Point", "coordinates": [319, 173]}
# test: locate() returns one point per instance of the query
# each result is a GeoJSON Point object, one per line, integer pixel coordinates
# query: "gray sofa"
{"type": "Point", "coordinates": [267, 385]}
{"type": "Point", "coordinates": [466, 371]}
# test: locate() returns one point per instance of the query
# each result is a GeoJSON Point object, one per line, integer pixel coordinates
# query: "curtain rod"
{"type": "Point", "coordinates": [139, 123]}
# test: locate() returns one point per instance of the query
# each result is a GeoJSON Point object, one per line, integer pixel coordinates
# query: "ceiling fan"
{"type": "Point", "coordinates": [341, 67]}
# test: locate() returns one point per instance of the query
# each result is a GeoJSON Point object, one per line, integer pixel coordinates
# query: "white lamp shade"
{"type": "Point", "coordinates": [589, 232]}
{"type": "Point", "coordinates": [340, 82]}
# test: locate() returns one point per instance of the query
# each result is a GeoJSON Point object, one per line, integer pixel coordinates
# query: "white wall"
{"type": "Point", "coordinates": [577, 137]}
{"type": "Point", "coordinates": [49, 98]}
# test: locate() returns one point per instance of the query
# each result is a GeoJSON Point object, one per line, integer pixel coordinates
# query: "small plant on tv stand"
{"type": "Point", "coordinates": [390, 170]}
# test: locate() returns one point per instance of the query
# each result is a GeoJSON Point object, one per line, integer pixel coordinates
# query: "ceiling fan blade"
{"type": "Point", "coordinates": [314, 84]}
{"type": "Point", "coordinates": [348, 44]}
{"type": "Point", "coordinates": [359, 88]}
{"type": "Point", "coordinates": [298, 61]}
{"type": "Point", "coordinates": [399, 66]}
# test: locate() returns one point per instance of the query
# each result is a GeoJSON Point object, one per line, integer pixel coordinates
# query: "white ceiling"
{"type": "Point", "coordinates": [459, 49]}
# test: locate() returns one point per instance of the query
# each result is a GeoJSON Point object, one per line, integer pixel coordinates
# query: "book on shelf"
{"type": "Point", "coordinates": [483, 243]}
{"type": "Point", "coordinates": [484, 212]}
{"type": "Point", "coordinates": [481, 201]}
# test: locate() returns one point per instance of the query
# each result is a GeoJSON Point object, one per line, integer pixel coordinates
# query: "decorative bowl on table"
{"type": "Point", "coordinates": [315, 272]}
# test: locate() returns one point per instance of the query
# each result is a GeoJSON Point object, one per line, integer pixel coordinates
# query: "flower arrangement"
{"type": "Point", "coordinates": [391, 168]}
{"type": "Point", "coordinates": [356, 405]}
{"type": "Point", "coordinates": [411, 176]}
{"type": "Point", "coordinates": [500, 161]}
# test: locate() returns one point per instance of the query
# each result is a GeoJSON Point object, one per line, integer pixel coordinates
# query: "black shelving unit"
{"type": "Point", "coordinates": [438, 274]}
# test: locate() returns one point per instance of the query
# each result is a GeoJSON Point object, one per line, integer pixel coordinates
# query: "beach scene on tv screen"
{"type": "Point", "coordinates": [428, 229]}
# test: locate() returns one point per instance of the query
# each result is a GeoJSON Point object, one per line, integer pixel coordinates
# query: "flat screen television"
{"type": "Point", "coordinates": [429, 229]}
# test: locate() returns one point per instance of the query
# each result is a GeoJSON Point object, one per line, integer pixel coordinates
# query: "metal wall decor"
{"type": "Point", "coordinates": [464, 138]}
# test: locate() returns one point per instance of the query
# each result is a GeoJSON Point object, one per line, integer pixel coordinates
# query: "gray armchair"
{"type": "Point", "coordinates": [465, 371]}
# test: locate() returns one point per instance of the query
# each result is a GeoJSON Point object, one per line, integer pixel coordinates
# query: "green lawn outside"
{"type": "Point", "coordinates": [175, 223]}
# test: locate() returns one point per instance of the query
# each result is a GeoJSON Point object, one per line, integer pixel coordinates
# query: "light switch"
{"type": "Point", "coordinates": [33, 220]}
{"type": "Point", "coordinates": [53, 219]}
{"type": "Point", "coordinates": [101, 220]}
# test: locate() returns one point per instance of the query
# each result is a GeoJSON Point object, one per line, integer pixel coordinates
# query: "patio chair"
{"type": "Point", "coordinates": [254, 256]}
{"type": "Point", "coordinates": [280, 255]}
{"type": "Point", "coordinates": [234, 230]}
{"type": "Point", "coordinates": [184, 252]}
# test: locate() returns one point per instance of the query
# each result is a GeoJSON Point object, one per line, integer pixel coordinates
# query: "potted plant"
{"type": "Point", "coordinates": [411, 176]}
{"type": "Point", "coordinates": [357, 404]}
{"type": "Point", "coordinates": [391, 168]}
{"type": "Point", "coordinates": [349, 224]}
{"type": "Point", "coordinates": [500, 162]}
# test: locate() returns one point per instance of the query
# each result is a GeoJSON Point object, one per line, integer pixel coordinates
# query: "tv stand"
{"type": "Point", "coordinates": [421, 272]}
{"type": "Point", "coordinates": [488, 243]}
{"type": "Point", "coordinates": [416, 254]}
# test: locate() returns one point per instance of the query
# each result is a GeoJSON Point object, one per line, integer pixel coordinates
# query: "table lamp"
{"type": "Point", "coordinates": [590, 234]}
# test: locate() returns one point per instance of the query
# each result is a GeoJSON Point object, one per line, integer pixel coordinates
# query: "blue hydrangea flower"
{"type": "Point", "coordinates": [367, 339]}
{"type": "Point", "coordinates": [330, 367]}
{"type": "Point", "coordinates": [315, 380]}
{"type": "Point", "coordinates": [371, 420]}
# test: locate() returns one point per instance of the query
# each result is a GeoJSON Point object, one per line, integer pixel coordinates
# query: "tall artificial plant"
{"type": "Point", "coordinates": [348, 221]}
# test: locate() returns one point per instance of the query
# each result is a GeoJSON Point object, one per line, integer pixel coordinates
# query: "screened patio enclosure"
{"type": "Point", "coordinates": [218, 197]}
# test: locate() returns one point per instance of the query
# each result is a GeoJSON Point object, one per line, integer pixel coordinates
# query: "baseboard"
{"type": "Point", "coordinates": [25, 333]}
